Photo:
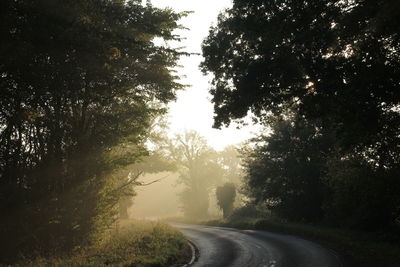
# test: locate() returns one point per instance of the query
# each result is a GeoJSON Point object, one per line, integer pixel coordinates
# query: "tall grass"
{"type": "Point", "coordinates": [137, 243]}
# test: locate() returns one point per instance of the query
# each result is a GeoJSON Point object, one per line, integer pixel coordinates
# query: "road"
{"type": "Point", "coordinates": [219, 246]}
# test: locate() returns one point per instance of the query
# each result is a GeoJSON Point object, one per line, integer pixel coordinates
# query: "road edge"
{"type": "Point", "coordinates": [195, 254]}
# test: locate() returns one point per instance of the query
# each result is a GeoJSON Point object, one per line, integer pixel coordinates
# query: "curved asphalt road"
{"type": "Point", "coordinates": [219, 246]}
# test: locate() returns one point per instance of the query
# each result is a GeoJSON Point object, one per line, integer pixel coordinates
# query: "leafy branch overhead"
{"type": "Point", "coordinates": [337, 61]}
{"type": "Point", "coordinates": [324, 78]}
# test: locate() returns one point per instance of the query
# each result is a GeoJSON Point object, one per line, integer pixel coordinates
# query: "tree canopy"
{"type": "Point", "coordinates": [325, 77]}
{"type": "Point", "coordinates": [337, 60]}
{"type": "Point", "coordinates": [77, 78]}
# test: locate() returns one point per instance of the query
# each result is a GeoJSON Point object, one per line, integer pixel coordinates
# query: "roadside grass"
{"type": "Point", "coordinates": [137, 243]}
{"type": "Point", "coordinates": [358, 248]}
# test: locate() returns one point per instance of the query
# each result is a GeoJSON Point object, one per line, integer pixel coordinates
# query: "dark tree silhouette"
{"type": "Point", "coordinates": [226, 195]}
{"type": "Point", "coordinates": [336, 64]}
{"type": "Point", "coordinates": [337, 61]}
{"type": "Point", "coordinates": [286, 168]}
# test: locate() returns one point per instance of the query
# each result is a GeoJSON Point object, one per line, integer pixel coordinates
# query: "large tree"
{"type": "Point", "coordinates": [337, 60]}
{"type": "Point", "coordinates": [199, 171]}
{"type": "Point", "coordinates": [334, 63]}
{"type": "Point", "coordinates": [76, 79]}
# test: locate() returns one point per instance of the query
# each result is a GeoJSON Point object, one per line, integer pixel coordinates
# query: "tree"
{"type": "Point", "coordinates": [231, 163]}
{"type": "Point", "coordinates": [334, 63]}
{"type": "Point", "coordinates": [335, 60]}
{"type": "Point", "coordinates": [226, 197]}
{"type": "Point", "coordinates": [77, 78]}
{"type": "Point", "coordinates": [298, 173]}
{"type": "Point", "coordinates": [285, 170]}
{"type": "Point", "coordinates": [199, 170]}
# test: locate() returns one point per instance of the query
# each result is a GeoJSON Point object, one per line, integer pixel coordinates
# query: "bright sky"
{"type": "Point", "coordinates": [193, 108]}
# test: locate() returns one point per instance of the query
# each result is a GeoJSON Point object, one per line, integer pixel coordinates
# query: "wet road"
{"type": "Point", "coordinates": [219, 246]}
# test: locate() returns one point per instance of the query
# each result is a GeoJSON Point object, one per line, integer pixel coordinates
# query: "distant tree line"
{"type": "Point", "coordinates": [324, 77]}
{"type": "Point", "coordinates": [79, 81]}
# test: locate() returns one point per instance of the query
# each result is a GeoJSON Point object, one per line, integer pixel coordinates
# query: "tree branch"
{"type": "Point", "coordinates": [152, 182]}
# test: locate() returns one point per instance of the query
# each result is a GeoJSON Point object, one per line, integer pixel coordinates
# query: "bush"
{"type": "Point", "coordinates": [226, 195]}
{"type": "Point", "coordinates": [250, 211]}
{"type": "Point", "coordinates": [362, 197]}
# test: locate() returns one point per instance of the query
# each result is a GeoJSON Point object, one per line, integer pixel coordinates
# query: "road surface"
{"type": "Point", "coordinates": [219, 246]}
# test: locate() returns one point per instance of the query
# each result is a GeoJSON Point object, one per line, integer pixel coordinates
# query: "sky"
{"type": "Point", "coordinates": [193, 109]}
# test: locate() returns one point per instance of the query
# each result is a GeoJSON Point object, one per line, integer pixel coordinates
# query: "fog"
{"type": "Point", "coordinates": [161, 200]}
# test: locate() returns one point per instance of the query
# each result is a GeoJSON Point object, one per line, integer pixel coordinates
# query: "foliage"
{"type": "Point", "coordinates": [198, 168]}
{"type": "Point", "coordinates": [361, 195]}
{"type": "Point", "coordinates": [250, 210]}
{"type": "Point", "coordinates": [336, 60]}
{"type": "Point", "coordinates": [138, 244]}
{"type": "Point", "coordinates": [297, 173]}
{"type": "Point", "coordinates": [77, 78]}
{"type": "Point", "coordinates": [335, 65]}
{"type": "Point", "coordinates": [201, 170]}
{"type": "Point", "coordinates": [226, 195]}
{"type": "Point", "coordinates": [285, 170]}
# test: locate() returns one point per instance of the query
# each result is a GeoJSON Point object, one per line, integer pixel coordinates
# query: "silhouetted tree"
{"type": "Point", "coordinates": [226, 197]}
{"type": "Point", "coordinates": [285, 170]}
{"type": "Point", "coordinates": [336, 64]}
{"type": "Point", "coordinates": [335, 60]}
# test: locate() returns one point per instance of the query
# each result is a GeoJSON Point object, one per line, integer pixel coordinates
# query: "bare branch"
{"type": "Point", "coordinates": [130, 182]}
{"type": "Point", "coordinates": [152, 182]}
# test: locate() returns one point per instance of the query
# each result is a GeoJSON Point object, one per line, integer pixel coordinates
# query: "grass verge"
{"type": "Point", "coordinates": [137, 243]}
{"type": "Point", "coordinates": [358, 248]}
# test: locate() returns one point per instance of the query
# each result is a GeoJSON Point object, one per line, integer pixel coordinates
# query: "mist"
{"type": "Point", "coordinates": [161, 200]}
{"type": "Point", "coordinates": [158, 200]}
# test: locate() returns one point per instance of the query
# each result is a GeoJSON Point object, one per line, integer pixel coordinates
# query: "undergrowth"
{"type": "Point", "coordinates": [137, 243]}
